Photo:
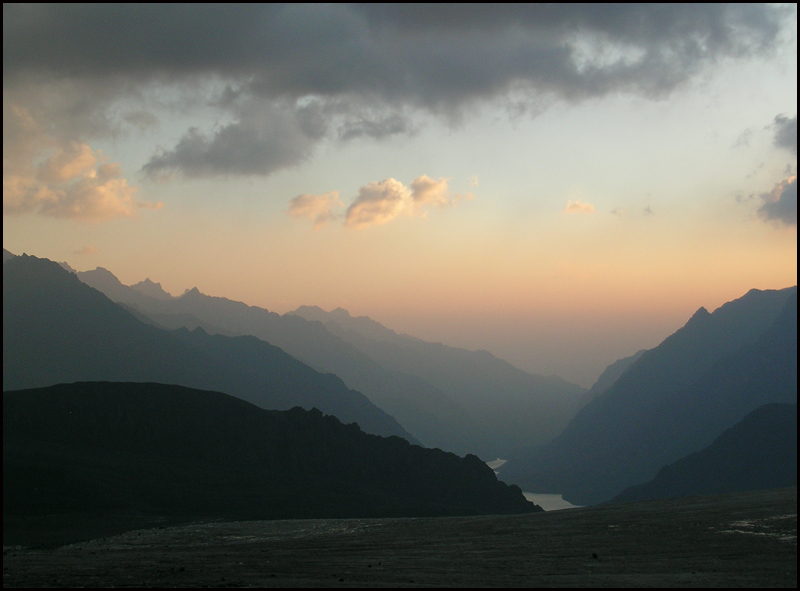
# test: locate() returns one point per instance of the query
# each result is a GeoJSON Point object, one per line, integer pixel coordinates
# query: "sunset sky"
{"type": "Point", "coordinates": [560, 185]}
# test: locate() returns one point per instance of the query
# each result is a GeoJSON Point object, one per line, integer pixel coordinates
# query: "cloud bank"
{"type": "Point", "coordinates": [286, 76]}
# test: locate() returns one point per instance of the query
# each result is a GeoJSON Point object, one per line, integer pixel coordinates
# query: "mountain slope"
{"type": "Point", "coordinates": [759, 452]}
{"type": "Point", "coordinates": [673, 401]}
{"type": "Point", "coordinates": [127, 453]}
{"type": "Point", "coordinates": [57, 329]}
{"type": "Point", "coordinates": [610, 375]}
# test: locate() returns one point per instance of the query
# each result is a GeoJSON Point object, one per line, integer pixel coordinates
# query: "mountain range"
{"type": "Point", "coordinates": [682, 408]}
{"type": "Point", "coordinates": [674, 400]}
{"type": "Point", "coordinates": [446, 397]}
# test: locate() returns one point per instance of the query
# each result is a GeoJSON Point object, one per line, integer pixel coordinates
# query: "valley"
{"type": "Point", "coordinates": [733, 540]}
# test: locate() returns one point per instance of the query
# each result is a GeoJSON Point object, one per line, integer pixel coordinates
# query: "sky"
{"type": "Point", "coordinates": [561, 185]}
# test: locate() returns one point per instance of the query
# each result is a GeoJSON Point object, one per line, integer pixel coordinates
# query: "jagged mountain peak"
{"type": "Point", "coordinates": [152, 289]}
{"type": "Point", "coordinates": [699, 316]}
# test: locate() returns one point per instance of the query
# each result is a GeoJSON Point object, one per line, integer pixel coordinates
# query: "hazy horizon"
{"type": "Point", "coordinates": [560, 186]}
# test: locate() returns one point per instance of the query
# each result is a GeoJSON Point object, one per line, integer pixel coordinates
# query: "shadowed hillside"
{"type": "Point", "coordinates": [758, 453]}
{"type": "Point", "coordinates": [78, 456]}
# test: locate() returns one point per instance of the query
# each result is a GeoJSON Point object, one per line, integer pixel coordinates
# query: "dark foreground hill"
{"type": "Point", "coordinates": [674, 400]}
{"type": "Point", "coordinates": [57, 329]}
{"type": "Point", "coordinates": [78, 458]}
{"type": "Point", "coordinates": [736, 540]}
{"type": "Point", "coordinates": [758, 453]}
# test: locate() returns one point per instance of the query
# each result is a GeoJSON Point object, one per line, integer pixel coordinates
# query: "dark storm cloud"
{"type": "Point", "coordinates": [781, 203]}
{"type": "Point", "coordinates": [263, 141]}
{"type": "Point", "coordinates": [365, 66]}
{"type": "Point", "coordinates": [786, 133]}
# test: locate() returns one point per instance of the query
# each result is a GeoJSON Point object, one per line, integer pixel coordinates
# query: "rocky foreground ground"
{"type": "Point", "coordinates": [742, 539]}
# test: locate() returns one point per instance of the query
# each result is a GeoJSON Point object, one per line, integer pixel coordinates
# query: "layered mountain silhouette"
{"type": "Point", "coordinates": [85, 459]}
{"type": "Point", "coordinates": [760, 452]}
{"type": "Point", "coordinates": [673, 401]}
{"type": "Point", "coordinates": [458, 400]}
{"type": "Point", "coordinates": [431, 417]}
{"type": "Point", "coordinates": [57, 329]}
{"type": "Point", "coordinates": [516, 408]}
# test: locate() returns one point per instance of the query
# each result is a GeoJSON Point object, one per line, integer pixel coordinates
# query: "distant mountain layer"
{"type": "Point", "coordinates": [57, 329]}
{"type": "Point", "coordinates": [760, 452]}
{"type": "Point", "coordinates": [127, 451]}
{"type": "Point", "coordinates": [513, 407]}
{"type": "Point", "coordinates": [674, 400]}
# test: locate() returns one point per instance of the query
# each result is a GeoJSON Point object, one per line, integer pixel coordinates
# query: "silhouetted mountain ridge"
{"type": "Point", "coordinates": [150, 451]}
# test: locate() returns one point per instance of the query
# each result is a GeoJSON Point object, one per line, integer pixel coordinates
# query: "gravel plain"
{"type": "Point", "coordinates": [734, 540]}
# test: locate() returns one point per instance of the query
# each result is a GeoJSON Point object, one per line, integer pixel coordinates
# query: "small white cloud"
{"type": "Point", "coordinates": [578, 206]}
{"type": "Point", "coordinates": [317, 207]}
{"type": "Point", "coordinates": [429, 191]}
{"type": "Point", "coordinates": [87, 250]}
{"type": "Point", "coordinates": [378, 203]}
